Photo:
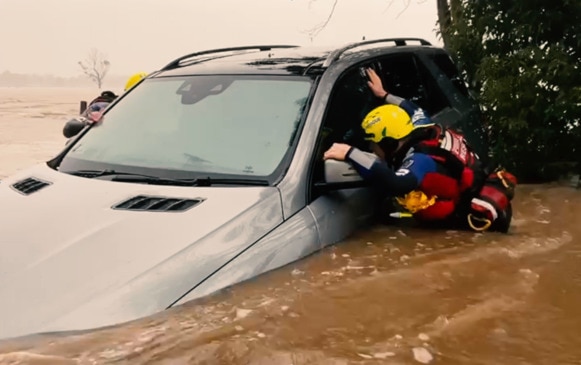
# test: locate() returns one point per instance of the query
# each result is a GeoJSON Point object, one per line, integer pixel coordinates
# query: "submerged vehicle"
{"type": "Point", "coordinates": [207, 173]}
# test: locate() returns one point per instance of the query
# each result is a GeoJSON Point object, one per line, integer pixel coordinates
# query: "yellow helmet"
{"type": "Point", "coordinates": [387, 121]}
{"type": "Point", "coordinates": [134, 79]}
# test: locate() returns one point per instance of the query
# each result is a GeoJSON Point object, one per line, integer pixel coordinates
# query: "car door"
{"type": "Point", "coordinates": [338, 213]}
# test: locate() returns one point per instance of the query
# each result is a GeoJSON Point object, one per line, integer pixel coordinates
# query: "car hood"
{"type": "Point", "coordinates": [71, 261]}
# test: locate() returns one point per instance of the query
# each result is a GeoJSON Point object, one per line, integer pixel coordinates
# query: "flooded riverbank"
{"type": "Point", "coordinates": [386, 295]}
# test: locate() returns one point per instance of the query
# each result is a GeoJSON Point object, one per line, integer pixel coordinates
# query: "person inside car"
{"type": "Point", "coordinates": [97, 106]}
{"type": "Point", "coordinates": [430, 170]}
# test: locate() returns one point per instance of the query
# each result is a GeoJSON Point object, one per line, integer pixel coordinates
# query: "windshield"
{"type": "Point", "coordinates": [240, 125]}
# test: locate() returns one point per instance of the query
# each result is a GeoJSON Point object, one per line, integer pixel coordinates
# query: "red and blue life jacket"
{"type": "Point", "coordinates": [459, 173]}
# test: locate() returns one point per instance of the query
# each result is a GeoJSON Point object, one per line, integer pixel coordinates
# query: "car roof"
{"type": "Point", "coordinates": [286, 59]}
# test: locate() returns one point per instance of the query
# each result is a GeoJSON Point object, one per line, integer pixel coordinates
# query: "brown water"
{"type": "Point", "coordinates": [384, 296]}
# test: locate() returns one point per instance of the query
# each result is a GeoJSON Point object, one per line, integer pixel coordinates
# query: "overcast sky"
{"type": "Point", "coordinates": [51, 36]}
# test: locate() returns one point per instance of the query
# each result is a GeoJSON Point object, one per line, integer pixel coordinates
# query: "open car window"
{"type": "Point", "coordinates": [403, 75]}
{"type": "Point", "coordinates": [349, 103]}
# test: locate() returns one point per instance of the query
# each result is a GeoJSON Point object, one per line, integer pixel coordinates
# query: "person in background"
{"type": "Point", "coordinates": [97, 106]}
{"type": "Point", "coordinates": [430, 170]}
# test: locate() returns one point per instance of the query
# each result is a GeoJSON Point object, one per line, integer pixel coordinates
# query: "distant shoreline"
{"type": "Point", "coordinates": [83, 87]}
{"type": "Point", "coordinates": [10, 79]}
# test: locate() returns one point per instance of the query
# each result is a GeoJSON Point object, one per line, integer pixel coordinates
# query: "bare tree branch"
{"type": "Point", "coordinates": [95, 66]}
{"type": "Point", "coordinates": [389, 4]}
{"type": "Point", "coordinates": [313, 32]}
{"type": "Point", "coordinates": [406, 5]}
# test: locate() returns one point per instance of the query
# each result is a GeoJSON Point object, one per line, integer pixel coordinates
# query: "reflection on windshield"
{"type": "Point", "coordinates": [210, 124]}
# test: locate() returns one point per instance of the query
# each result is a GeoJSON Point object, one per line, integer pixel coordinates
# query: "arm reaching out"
{"type": "Point", "coordinates": [375, 84]}
{"type": "Point", "coordinates": [378, 90]}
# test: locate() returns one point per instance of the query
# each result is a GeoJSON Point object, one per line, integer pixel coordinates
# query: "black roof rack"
{"type": "Point", "coordinates": [334, 56]}
{"type": "Point", "coordinates": [175, 63]}
{"type": "Point", "coordinates": [313, 65]}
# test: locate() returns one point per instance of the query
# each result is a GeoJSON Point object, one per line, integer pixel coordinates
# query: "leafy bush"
{"type": "Point", "coordinates": [522, 58]}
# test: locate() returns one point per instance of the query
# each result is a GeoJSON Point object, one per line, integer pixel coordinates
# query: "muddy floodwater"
{"type": "Point", "coordinates": [386, 295]}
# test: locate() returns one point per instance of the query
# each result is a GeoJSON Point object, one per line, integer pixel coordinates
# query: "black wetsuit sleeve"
{"type": "Point", "coordinates": [380, 175]}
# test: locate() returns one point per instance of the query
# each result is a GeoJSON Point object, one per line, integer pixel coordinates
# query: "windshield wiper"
{"type": "Point", "coordinates": [208, 181]}
{"type": "Point", "coordinates": [95, 173]}
{"type": "Point", "coordinates": [147, 179]}
{"type": "Point", "coordinates": [188, 182]}
{"type": "Point", "coordinates": [133, 177]}
{"type": "Point", "coordinates": [154, 180]}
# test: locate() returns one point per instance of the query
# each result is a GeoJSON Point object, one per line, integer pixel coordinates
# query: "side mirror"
{"type": "Point", "coordinates": [340, 175]}
{"type": "Point", "coordinates": [73, 127]}
{"type": "Point", "coordinates": [340, 172]}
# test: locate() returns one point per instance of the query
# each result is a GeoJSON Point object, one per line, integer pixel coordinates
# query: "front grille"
{"type": "Point", "coordinates": [157, 204]}
{"type": "Point", "coordinates": [29, 185]}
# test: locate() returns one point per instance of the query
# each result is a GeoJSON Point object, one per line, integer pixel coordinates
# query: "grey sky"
{"type": "Point", "coordinates": [51, 36]}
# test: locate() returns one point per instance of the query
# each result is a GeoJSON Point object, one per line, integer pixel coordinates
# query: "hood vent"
{"type": "Point", "coordinates": [29, 185]}
{"type": "Point", "coordinates": [157, 204]}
